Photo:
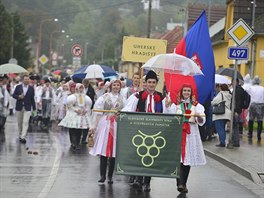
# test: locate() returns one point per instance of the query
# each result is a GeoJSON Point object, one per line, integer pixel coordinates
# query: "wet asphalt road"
{"type": "Point", "coordinates": [47, 167]}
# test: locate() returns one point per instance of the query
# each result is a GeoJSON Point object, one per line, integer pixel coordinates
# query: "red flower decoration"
{"type": "Point", "coordinates": [157, 98]}
{"type": "Point", "coordinates": [188, 111]}
{"type": "Point", "coordinates": [144, 95]}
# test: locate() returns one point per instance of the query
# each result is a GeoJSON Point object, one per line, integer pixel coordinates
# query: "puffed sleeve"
{"type": "Point", "coordinates": [199, 109]}
{"type": "Point", "coordinates": [131, 103]}
{"type": "Point", "coordinates": [98, 105]}
{"type": "Point", "coordinates": [71, 100]}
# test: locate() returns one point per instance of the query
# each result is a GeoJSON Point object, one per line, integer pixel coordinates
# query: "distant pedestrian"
{"type": "Point", "coordinates": [239, 97]}
{"type": "Point", "coordinates": [256, 109]}
{"type": "Point", "coordinates": [24, 94]}
{"type": "Point", "coordinates": [244, 115]}
{"type": "Point", "coordinates": [221, 120]}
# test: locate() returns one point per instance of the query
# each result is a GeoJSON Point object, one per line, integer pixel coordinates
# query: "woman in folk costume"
{"type": "Point", "coordinates": [192, 153]}
{"type": "Point", "coordinates": [78, 115]}
{"type": "Point", "coordinates": [105, 129]}
{"type": "Point", "coordinates": [62, 101]}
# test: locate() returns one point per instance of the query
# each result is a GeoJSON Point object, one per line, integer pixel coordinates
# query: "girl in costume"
{"type": "Point", "coordinates": [192, 148]}
{"type": "Point", "coordinates": [105, 129]}
{"type": "Point", "coordinates": [78, 115]}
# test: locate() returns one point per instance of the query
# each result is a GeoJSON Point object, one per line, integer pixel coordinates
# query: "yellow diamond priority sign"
{"type": "Point", "coordinates": [43, 59]}
{"type": "Point", "coordinates": [240, 32]}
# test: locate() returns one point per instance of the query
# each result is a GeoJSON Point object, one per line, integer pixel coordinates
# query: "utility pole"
{"type": "Point", "coordinates": [149, 19]}
{"type": "Point", "coordinates": [209, 13]}
{"type": "Point", "coordinates": [253, 41]}
{"type": "Point", "coordinates": [12, 37]}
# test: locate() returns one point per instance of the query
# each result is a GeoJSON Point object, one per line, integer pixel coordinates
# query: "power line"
{"type": "Point", "coordinates": [80, 11]}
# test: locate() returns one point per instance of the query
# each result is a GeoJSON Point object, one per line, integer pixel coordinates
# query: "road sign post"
{"type": "Point", "coordinates": [240, 32]}
{"type": "Point", "coordinates": [238, 53]}
{"type": "Point", "coordinates": [43, 60]}
{"type": "Point", "coordinates": [77, 50]}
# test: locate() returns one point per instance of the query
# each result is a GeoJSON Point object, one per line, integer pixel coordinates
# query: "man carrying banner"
{"type": "Point", "coordinates": [145, 101]}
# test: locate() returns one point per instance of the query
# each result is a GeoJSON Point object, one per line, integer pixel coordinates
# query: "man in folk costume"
{"type": "Point", "coordinates": [145, 101]}
{"type": "Point", "coordinates": [47, 97]}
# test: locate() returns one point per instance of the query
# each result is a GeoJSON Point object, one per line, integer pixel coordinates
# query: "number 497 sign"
{"type": "Point", "coordinates": [238, 53]}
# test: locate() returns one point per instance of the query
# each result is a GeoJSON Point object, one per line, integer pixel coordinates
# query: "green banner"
{"type": "Point", "coordinates": [148, 144]}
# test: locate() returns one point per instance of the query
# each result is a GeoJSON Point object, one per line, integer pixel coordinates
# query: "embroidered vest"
{"type": "Point", "coordinates": [141, 106]}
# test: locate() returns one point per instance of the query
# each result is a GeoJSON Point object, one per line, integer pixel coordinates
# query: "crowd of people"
{"type": "Point", "coordinates": [70, 104]}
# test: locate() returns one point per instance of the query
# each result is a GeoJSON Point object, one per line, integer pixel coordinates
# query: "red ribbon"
{"type": "Point", "coordinates": [110, 141]}
{"type": "Point", "coordinates": [150, 104]}
{"type": "Point", "coordinates": [185, 131]}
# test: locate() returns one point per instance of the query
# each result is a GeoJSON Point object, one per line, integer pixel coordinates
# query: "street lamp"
{"type": "Point", "coordinates": [253, 42]}
{"type": "Point", "coordinates": [51, 39]}
{"type": "Point", "coordinates": [40, 37]}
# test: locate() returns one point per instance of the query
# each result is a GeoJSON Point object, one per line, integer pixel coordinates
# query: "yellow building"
{"type": "Point", "coordinates": [221, 41]}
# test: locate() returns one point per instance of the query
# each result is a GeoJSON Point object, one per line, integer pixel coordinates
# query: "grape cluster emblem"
{"type": "Point", "coordinates": [148, 147]}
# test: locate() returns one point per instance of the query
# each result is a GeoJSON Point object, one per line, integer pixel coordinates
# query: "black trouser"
{"type": "Point", "coordinates": [75, 136]}
{"type": "Point", "coordinates": [103, 166]}
{"type": "Point", "coordinates": [250, 128]}
{"type": "Point", "coordinates": [260, 125]}
{"type": "Point", "coordinates": [146, 179]}
{"type": "Point", "coordinates": [84, 134]}
{"type": "Point", "coordinates": [184, 173]}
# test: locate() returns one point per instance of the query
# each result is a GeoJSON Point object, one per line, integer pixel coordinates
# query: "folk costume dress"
{"type": "Point", "coordinates": [72, 119]}
{"type": "Point", "coordinates": [75, 121]}
{"type": "Point", "coordinates": [105, 133]}
{"type": "Point", "coordinates": [192, 148]}
{"type": "Point", "coordinates": [61, 102]}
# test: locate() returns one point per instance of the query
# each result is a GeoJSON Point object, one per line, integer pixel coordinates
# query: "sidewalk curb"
{"type": "Point", "coordinates": [246, 172]}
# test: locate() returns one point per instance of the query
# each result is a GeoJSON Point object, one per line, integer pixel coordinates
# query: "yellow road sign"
{"type": "Point", "coordinates": [43, 59]}
{"type": "Point", "coordinates": [240, 32]}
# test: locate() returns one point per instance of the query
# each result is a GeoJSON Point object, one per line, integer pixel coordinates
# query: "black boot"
{"type": "Point", "coordinates": [84, 136]}
{"type": "Point", "coordinates": [103, 165]}
{"type": "Point", "coordinates": [111, 170]}
{"type": "Point", "coordinates": [250, 128]}
{"type": "Point", "coordinates": [260, 123]}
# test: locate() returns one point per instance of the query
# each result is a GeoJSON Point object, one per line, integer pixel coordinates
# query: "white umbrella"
{"type": "Point", "coordinates": [219, 79]}
{"type": "Point", "coordinates": [10, 68]}
{"type": "Point", "coordinates": [173, 63]}
{"type": "Point", "coordinates": [94, 71]}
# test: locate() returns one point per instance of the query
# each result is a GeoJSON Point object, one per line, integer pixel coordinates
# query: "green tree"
{"type": "Point", "coordinates": [21, 46]}
{"type": "Point", "coordinates": [5, 32]}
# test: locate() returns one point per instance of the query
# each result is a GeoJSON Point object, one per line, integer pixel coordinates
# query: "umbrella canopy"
{"type": "Point", "coordinates": [229, 72]}
{"type": "Point", "coordinates": [173, 63]}
{"type": "Point", "coordinates": [219, 79]}
{"type": "Point", "coordinates": [94, 71]}
{"type": "Point", "coordinates": [57, 72]}
{"type": "Point", "coordinates": [11, 68]}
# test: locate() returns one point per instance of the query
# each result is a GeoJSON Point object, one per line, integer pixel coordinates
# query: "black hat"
{"type": "Point", "coordinates": [151, 75]}
{"type": "Point", "coordinates": [5, 76]}
{"type": "Point", "coordinates": [46, 80]}
{"type": "Point", "coordinates": [34, 77]}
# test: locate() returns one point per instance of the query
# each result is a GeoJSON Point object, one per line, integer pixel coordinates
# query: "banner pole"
{"type": "Point", "coordinates": [115, 111]}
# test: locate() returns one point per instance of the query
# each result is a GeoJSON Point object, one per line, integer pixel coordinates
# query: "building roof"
{"type": "Point", "coordinates": [244, 9]}
{"type": "Point", "coordinates": [173, 37]}
{"type": "Point", "coordinates": [217, 12]}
